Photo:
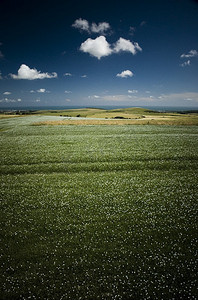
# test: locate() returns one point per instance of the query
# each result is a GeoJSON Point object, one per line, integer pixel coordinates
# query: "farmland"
{"type": "Point", "coordinates": [98, 212]}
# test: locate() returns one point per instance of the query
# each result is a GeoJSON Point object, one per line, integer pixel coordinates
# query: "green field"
{"type": "Point", "coordinates": [123, 116]}
{"type": "Point", "coordinates": [98, 212]}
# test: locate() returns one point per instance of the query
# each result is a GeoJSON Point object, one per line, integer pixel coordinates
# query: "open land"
{"type": "Point", "coordinates": [125, 116]}
{"type": "Point", "coordinates": [98, 212]}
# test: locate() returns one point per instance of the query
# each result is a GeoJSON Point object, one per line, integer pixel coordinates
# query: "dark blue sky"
{"type": "Point", "coordinates": [89, 53]}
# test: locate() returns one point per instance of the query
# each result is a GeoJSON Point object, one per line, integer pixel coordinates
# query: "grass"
{"type": "Point", "coordinates": [98, 212]}
{"type": "Point", "coordinates": [125, 116]}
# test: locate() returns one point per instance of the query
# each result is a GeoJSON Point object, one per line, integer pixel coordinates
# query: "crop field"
{"type": "Point", "coordinates": [98, 212]}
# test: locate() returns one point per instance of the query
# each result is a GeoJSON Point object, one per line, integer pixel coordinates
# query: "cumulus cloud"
{"type": "Point", "coordinates": [83, 25]}
{"type": "Point", "coordinates": [7, 93]}
{"type": "Point", "coordinates": [125, 74]}
{"type": "Point", "coordinates": [84, 76]}
{"type": "Point", "coordinates": [191, 53]}
{"type": "Point", "coordinates": [98, 47]}
{"type": "Point", "coordinates": [186, 63]}
{"type": "Point", "coordinates": [25, 72]}
{"type": "Point", "coordinates": [126, 45]}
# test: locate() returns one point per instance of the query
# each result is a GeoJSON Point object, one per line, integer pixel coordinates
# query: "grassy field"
{"type": "Point", "coordinates": [98, 212]}
{"type": "Point", "coordinates": [125, 116]}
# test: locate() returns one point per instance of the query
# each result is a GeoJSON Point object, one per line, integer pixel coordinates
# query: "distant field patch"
{"type": "Point", "coordinates": [152, 120]}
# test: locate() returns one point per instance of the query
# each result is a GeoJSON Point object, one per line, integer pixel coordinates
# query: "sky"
{"type": "Point", "coordinates": [98, 53]}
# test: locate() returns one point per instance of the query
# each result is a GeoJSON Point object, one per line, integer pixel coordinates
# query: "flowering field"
{"type": "Point", "coordinates": [98, 212]}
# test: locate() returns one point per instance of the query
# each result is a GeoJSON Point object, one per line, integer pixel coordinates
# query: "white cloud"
{"type": "Point", "coordinates": [83, 25]}
{"type": "Point", "coordinates": [67, 74]}
{"type": "Point", "coordinates": [132, 91]}
{"type": "Point", "coordinates": [25, 72]}
{"type": "Point", "coordinates": [186, 63]}
{"type": "Point", "coordinates": [19, 100]}
{"type": "Point", "coordinates": [125, 74]}
{"type": "Point", "coordinates": [41, 90]}
{"type": "Point", "coordinates": [37, 100]}
{"type": "Point", "coordinates": [32, 91]}
{"type": "Point", "coordinates": [68, 92]}
{"type": "Point", "coordinates": [98, 47]}
{"type": "Point", "coordinates": [191, 53]}
{"type": "Point", "coordinates": [100, 28]}
{"type": "Point", "coordinates": [126, 45]}
{"type": "Point", "coordinates": [7, 93]}
{"type": "Point", "coordinates": [83, 76]}
{"type": "Point", "coordinates": [68, 100]}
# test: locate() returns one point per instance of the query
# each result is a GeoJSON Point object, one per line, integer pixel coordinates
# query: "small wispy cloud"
{"type": "Point", "coordinates": [143, 23]}
{"type": "Point", "coordinates": [178, 97]}
{"type": "Point", "coordinates": [68, 74]}
{"type": "Point", "coordinates": [132, 91]}
{"type": "Point", "coordinates": [186, 63]}
{"type": "Point", "coordinates": [94, 97]}
{"type": "Point", "coordinates": [84, 76]}
{"type": "Point", "coordinates": [7, 93]}
{"type": "Point", "coordinates": [191, 53]}
{"type": "Point", "coordinates": [9, 100]}
{"type": "Point", "coordinates": [41, 91]}
{"type": "Point", "coordinates": [83, 25]}
{"type": "Point", "coordinates": [68, 92]}
{"type": "Point", "coordinates": [125, 74]}
{"type": "Point", "coordinates": [25, 72]}
{"type": "Point", "coordinates": [1, 54]}
{"type": "Point", "coordinates": [132, 30]}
